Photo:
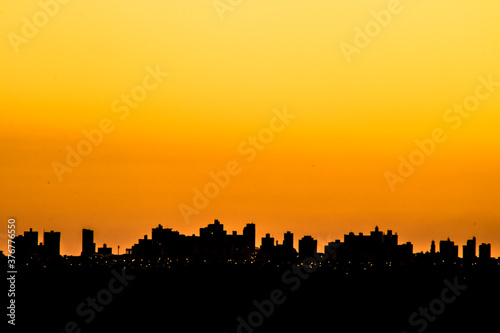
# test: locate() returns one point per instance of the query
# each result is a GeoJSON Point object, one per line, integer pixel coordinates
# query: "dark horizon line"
{"type": "Point", "coordinates": [336, 243]}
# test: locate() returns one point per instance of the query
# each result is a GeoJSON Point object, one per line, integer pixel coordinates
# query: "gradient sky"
{"type": "Point", "coordinates": [322, 175]}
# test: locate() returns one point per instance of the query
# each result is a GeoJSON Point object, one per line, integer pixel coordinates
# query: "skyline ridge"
{"type": "Point", "coordinates": [268, 235]}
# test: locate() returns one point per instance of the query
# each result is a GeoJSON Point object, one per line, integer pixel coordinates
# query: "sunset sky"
{"type": "Point", "coordinates": [231, 70]}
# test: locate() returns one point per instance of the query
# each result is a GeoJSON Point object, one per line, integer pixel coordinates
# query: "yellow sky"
{"type": "Point", "coordinates": [323, 174]}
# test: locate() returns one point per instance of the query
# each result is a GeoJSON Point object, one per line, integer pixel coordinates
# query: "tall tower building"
{"type": "Point", "coordinates": [88, 245]}
{"type": "Point", "coordinates": [31, 241]}
{"type": "Point", "coordinates": [469, 250]}
{"type": "Point", "coordinates": [288, 241]}
{"type": "Point", "coordinates": [448, 250]}
{"type": "Point", "coordinates": [52, 243]}
{"type": "Point", "coordinates": [249, 235]}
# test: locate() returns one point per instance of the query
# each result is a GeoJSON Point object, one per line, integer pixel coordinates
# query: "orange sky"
{"type": "Point", "coordinates": [322, 171]}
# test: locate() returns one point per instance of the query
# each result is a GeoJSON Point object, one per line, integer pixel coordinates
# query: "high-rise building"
{"type": "Point", "coordinates": [30, 241]}
{"type": "Point", "coordinates": [212, 241]}
{"type": "Point", "coordinates": [448, 250]}
{"type": "Point", "coordinates": [213, 231]}
{"type": "Point", "coordinates": [469, 250]}
{"type": "Point", "coordinates": [390, 240]}
{"type": "Point", "coordinates": [376, 236]}
{"type": "Point", "coordinates": [267, 243]}
{"type": "Point", "coordinates": [288, 241]}
{"type": "Point", "coordinates": [308, 246]}
{"type": "Point", "coordinates": [405, 251]}
{"type": "Point", "coordinates": [249, 235]}
{"type": "Point", "coordinates": [52, 243]}
{"type": "Point", "coordinates": [485, 251]}
{"type": "Point", "coordinates": [88, 245]}
{"type": "Point", "coordinates": [166, 241]}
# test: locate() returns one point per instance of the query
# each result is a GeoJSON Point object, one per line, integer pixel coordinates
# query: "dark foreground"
{"type": "Point", "coordinates": [211, 299]}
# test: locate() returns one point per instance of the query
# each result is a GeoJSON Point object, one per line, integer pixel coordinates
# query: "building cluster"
{"type": "Point", "coordinates": [282, 253]}
{"type": "Point", "coordinates": [449, 251]}
{"type": "Point", "coordinates": [374, 248]}
{"type": "Point", "coordinates": [88, 245]}
{"type": "Point", "coordinates": [215, 245]}
{"type": "Point", "coordinates": [27, 244]}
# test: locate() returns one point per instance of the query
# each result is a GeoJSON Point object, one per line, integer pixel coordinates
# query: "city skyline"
{"type": "Point", "coordinates": [125, 237]}
{"type": "Point", "coordinates": [52, 239]}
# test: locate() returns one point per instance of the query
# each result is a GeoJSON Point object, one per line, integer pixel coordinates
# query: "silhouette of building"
{"type": "Point", "coordinates": [469, 250]}
{"type": "Point", "coordinates": [362, 247]}
{"type": "Point", "coordinates": [266, 249]}
{"type": "Point", "coordinates": [31, 241]}
{"type": "Point", "coordinates": [51, 243]}
{"type": "Point", "coordinates": [484, 251]}
{"type": "Point", "coordinates": [241, 247]}
{"type": "Point", "coordinates": [26, 245]}
{"type": "Point", "coordinates": [271, 251]}
{"type": "Point", "coordinates": [166, 242]}
{"type": "Point", "coordinates": [289, 252]}
{"type": "Point", "coordinates": [405, 252]}
{"type": "Point", "coordinates": [267, 243]}
{"type": "Point", "coordinates": [376, 249]}
{"type": "Point", "coordinates": [249, 235]}
{"type": "Point", "coordinates": [335, 249]}
{"type": "Point", "coordinates": [288, 241]}
{"type": "Point", "coordinates": [308, 247]}
{"type": "Point", "coordinates": [144, 248]}
{"type": "Point", "coordinates": [88, 245]}
{"type": "Point", "coordinates": [213, 244]}
{"type": "Point", "coordinates": [448, 250]}
{"type": "Point", "coordinates": [20, 248]}
{"type": "Point", "coordinates": [376, 236]}
{"type": "Point", "coordinates": [104, 250]}
{"type": "Point", "coordinates": [391, 240]}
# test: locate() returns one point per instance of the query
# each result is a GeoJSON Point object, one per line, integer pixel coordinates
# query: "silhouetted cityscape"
{"type": "Point", "coordinates": [221, 281]}
{"type": "Point", "coordinates": [168, 248]}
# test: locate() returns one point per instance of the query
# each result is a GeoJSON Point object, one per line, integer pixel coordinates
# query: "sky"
{"type": "Point", "coordinates": [318, 118]}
